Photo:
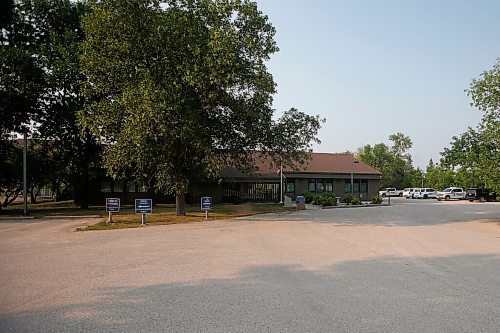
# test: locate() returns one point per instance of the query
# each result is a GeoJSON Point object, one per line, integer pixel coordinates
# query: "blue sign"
{"type": "Point", "coordinates": [206, 203]}
{"type": "Point", "coordinates": [112, 205]}
{"type": "Point", "coordinates": [144, 206]}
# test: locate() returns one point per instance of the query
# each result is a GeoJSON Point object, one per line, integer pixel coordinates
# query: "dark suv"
{"type": "Point", "coordinates": [481, 194]}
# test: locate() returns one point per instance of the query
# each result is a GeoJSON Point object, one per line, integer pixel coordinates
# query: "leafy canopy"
{"type": "Point", "coordinates": [394, 162]}
{"type": "Point", "coordinates": [182, 89]}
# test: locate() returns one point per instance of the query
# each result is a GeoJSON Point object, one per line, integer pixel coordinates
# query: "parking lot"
{"type": "Point", "coordinates": [418, 265]}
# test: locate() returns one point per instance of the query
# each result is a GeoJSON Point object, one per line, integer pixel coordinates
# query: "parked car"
{"type": "Point", "coordinates": [390, 192]}
{"type": "Point", "coordinates": [415, 191]}
{"type": "Point", "coordinates": [409, 192]}
{"type": "Point", "coordinates": [426, 193]}
{"type": "Point", "coordinates": [451, 193]}
{"type": "Point", "coordinates": [480, 194]}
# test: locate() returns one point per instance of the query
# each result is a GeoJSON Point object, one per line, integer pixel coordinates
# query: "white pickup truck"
{"type": "Point", "coordinates": [390, 192]}
{"type": "Point", "coordinates": [451, 193]}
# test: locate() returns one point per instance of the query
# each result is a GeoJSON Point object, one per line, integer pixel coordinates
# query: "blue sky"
{"type": "Point", "coordinates": [374, 68]}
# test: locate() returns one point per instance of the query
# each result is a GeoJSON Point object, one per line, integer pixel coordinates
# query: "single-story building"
{"type": "Point", "coordinates": [324, 172]}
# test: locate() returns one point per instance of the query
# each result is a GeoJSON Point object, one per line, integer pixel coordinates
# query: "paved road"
{"type": "Point", "coordinates": [417, 266]}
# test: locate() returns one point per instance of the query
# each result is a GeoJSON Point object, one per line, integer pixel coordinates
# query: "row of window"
{"type": "Point", "coordinates": [120, 187]}
{"type": "Point", "coordinates": [359, 186]}
{"type": "Point", "coordinates": [251, 191]}
{"type": "Point", "coordinates": [326, 185]}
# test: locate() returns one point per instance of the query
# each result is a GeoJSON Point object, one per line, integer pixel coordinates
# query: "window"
{"type": "Point", "coordinates": [356, 186]}
{"type": "Point", "coordinates": [312, 185]}
{"type": "Point", "coordinates": [118, 187]}
{"type": "Point", "coordinates": [106, 187]}
{"type": "Point", "coordinates": [290, 185]}
{"type": "Point", "coordinates": [329, 185]}
{"type": "Point", "coordinates": [320, 186]}
{"type": "Point", "coordinates": [364, 186]}
{"type": "Point", "coordinates": [347, 186]}
{"type": "Point", "coordinates": [131, 187]}
{"type": "Point", "coordinates": [359, 186]}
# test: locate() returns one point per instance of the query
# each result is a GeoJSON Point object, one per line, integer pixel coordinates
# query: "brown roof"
{"type": "Point", "coordinates": [319, 163]}
{"type": "Point", "coordinates": [336, 163]}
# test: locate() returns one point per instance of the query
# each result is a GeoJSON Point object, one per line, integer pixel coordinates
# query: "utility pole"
{"type": "Point", "coordinates": [352, 176]}
{"type": "Point", "coordinates": [281, 182]}
{"type": "Point", "coordinates": [25, 174]}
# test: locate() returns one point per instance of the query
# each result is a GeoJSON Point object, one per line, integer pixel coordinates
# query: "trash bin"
{"type": "Point", "coordinates": [338, 199]}
{"type": "Point", "coordinates": [301, 202]}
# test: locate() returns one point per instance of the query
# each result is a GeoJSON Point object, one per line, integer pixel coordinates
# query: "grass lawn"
{"type": "Point", "coordinates": [162, 214]}
{"type": "Point", "coordinates": [61, 208]}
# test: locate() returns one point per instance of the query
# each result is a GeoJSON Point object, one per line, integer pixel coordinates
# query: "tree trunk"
{"type": "Point", "coordinates": [180, 204]}
{"type": "Point", "coordinates": [9, 197]}
{"type": "Point", "coordinates": [57, 195]}
{"type": "Point", "coordinates": [56, 190]}
{"type": "Point", "coordinates": [32, 197]}
{"type": "Point", "coordinates": [84, 190]}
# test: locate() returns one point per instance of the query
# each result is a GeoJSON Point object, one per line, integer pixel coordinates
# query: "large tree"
{"type": "Point", "coordinates": [475, 154]}
{"type": "Point", "coordinates": [73, 150]}
{"type": "Point", "coordinates": [485, 94]}
{"type": "Point", "coordinates": [41, 85]}
{"type": "Point", "coordinates": [439, 177]}
{"type": "Point", "coordinates": [394, 162]}
{"type": "Point", "coordinates": [183, 89]}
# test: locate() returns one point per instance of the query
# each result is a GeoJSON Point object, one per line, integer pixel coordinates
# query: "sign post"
{"type": "Point", "coordinates": [143, 207]}
{"type": "Point", "coordinates": [112, 206]}
{"type": "Point", "coordinates": [206, 205]}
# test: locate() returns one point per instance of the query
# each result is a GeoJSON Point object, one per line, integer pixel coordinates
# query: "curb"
{"type": "Point", "coordinates": [72, 217]}
{"type": "Point", "coordinates": [353, 206]}
{"type": "Point", "coordinates": [17, 217]}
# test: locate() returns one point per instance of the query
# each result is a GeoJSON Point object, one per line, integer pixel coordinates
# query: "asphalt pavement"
{"type": "Point", "coordinates": [416, 266]}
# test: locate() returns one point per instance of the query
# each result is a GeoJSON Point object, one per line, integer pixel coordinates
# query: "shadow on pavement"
{"type": "Point", "coordinates": [437, 294]}
{"type": "Point", "coordinates": [425, 214]}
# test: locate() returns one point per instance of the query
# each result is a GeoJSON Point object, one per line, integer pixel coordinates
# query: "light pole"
{"type": "Point", "coordinates": [352, 176]}
{"type": "Point", "coordinates": [281, 182]}
{"type": "Point", "coordinates": [25, 174]}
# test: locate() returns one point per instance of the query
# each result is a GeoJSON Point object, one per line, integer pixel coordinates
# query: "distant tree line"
{"type": "Point", "coordinates": [471, 160]}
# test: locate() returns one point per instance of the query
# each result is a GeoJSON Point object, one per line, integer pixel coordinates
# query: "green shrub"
{"type": "Point", "coordinates": [347, 199]}
{"type": "Point", "coordinates": [323, 199]}
{"type": "Point", "coordinates": [350, 199]}
{"type": "Point", "coordinates": [327, 199]}
{"type": "Point", "coordinates": [308, 196]}
{"type": "Point", "coordinates": [377, 199]}
{"type": "Point", "coordinates": [316, 199]}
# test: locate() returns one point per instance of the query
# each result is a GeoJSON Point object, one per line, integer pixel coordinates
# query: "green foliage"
{"type": "Point", "coordinates": [327, 199]}
{"type": "Point", "coordinates": [414, 178]}
{"type": "Point", "coordinates": [322, 199]}
{"type": "Point", "coordinates": [42, 74]}
{"type": "Point", "coordinates": [439, 177]}
{"type": "Point", "coordinates": [10, 170]}
{"type": "Point", "coordinates": [485, 94]}
{"type": "Point", "coordinates": [21, 79]}
{"type": "Point", "coordinates": [351, 199]}
{"type": "Point", "coordinates": [474, 156]}
{"type": "Point", "coordinates": [181, 90]}
{"type": "Point", "coordinates": [377, 199]}
{"type": "Point", "coordinates": [394, 162]}
{"type": "Point", "coordinates": [308, 196]}
{"type": "Point", "coordinates": [315, 200]}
